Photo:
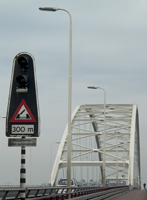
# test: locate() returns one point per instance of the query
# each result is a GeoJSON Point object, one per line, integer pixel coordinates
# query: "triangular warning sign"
{"type": "Point", "coordinates": [22, 114]}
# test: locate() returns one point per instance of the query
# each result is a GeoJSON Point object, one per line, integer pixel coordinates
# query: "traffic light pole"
{"type": "Point", "coordinates": [23, 173]}
{"type": "Point", "coordinates": [23, 118]}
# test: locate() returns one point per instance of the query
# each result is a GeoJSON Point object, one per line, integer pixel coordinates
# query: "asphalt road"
{"type": "Point", "coordinates": [134, 194]}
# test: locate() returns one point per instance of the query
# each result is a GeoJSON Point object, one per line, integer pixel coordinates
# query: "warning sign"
{"type": "Point", "coordinates": [22, 114]}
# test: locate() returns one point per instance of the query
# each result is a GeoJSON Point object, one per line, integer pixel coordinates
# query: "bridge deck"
{"type": "Point", "coordinates": [135, 195]}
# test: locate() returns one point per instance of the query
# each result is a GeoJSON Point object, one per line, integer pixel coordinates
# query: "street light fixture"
{"type": "Point", "coordinates": [49, 9]}
{"type": "Point", "coordinates": [69, 94]}
{"type": "Point", "coordinates": [104, 138]}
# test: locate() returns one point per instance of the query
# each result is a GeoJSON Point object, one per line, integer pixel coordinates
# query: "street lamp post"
{"type": "Point", "coordinates": [69, 94]}
{"type": "Point", "coordinates": [104, 135]}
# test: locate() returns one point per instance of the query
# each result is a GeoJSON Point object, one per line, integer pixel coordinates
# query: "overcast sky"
{"type": "Point", "coordinates": [109, 50]}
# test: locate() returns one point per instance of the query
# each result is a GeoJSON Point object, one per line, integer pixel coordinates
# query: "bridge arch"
{"type": "Point", "coordinates": [122, 145]}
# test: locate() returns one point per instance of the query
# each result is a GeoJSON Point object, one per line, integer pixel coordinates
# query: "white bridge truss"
{"type": "Point", "coordinates": [122, 145]}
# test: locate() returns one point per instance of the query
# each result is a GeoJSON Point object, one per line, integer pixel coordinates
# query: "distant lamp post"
{"type": "Point", "coordinates": [69, 95]}
{"type": "Point", "coordinates": [104, 138]}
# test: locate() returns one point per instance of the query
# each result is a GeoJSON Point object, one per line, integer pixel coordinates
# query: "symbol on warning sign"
{"type": "Point", "coordinates": [22, 114]}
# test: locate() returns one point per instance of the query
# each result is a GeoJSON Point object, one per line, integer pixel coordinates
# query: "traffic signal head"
{"type": "Point", "coordinates": [23, 61]}
{"type": "Point", "coordinates": [23, 108]}
{"type": "Point", "coordinates": [22, 80]}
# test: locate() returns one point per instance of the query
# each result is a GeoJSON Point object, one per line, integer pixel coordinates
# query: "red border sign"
{"type": "Point", "coordinates": [15, 119]}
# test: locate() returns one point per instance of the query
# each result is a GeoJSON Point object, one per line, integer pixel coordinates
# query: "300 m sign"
{"type": "Point", "coordinates": [22, 129]}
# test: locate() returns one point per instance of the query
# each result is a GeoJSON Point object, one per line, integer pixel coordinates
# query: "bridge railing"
{"type": "Point", "coordinates": [17, 186]}
{"type": "Point", "coordinates": [50, 193]}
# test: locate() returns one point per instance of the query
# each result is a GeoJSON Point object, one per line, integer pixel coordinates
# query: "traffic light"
{"type": "Point", "coordinates": [22, 79]}
{"type": "Point", "coordinates": [23, 62]}
{"type": "Point", "coordinates": [23, 107]}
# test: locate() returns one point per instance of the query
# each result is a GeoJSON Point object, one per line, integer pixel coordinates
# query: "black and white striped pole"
{"type": "Point", "coordinates": [22, 173]}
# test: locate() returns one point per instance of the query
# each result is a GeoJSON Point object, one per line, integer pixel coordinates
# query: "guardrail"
{"type": "Point", "coordinates": [105, 194]}
{"type": "Point", "coordinates": [50, 193]}
{"type": "Point", "coordinates": [17, 186]}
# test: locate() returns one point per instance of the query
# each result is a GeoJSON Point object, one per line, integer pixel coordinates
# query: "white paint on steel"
{"type": "Point", "coordinates": [122, 148]}
{"type": "Point", "coordinates": [132, 142]}
{"type": "Point", "coordinates": [63, 144]}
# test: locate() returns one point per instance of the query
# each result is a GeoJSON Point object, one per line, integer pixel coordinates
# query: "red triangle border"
{"type": "Point", "coordinates": [13, 120]}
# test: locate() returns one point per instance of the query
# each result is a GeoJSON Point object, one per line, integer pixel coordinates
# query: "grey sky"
{"type": "Point", "coordinates": [109, 50]}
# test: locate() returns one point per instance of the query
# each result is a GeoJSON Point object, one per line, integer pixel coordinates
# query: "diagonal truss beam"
{"type": "Point", "coordinates": [122, 146]}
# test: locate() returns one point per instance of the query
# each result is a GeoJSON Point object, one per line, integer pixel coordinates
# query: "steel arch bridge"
{"type": "Point", "coordinates": [122, 145]}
